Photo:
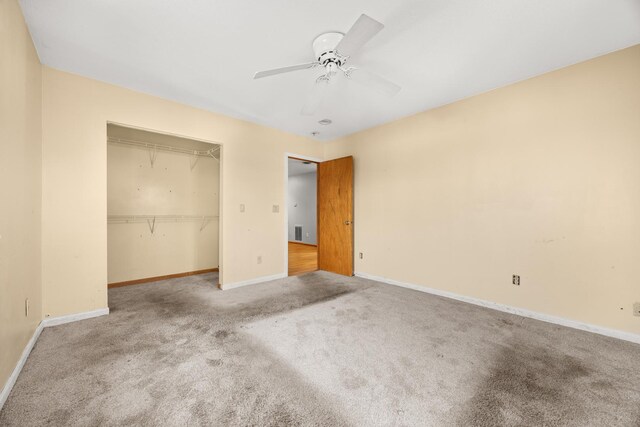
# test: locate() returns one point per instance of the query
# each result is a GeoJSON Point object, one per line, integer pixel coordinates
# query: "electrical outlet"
{"type": "Point", "coordinates": [242, 207]}
{"type": "Point", "coordinates": [259, 259]}
{"type": "Point", "coordinates": [636, 309]}
{"type": "Point", "coordinates": [361, 256]}
{"type": "Point", "coordinates": [26, 307]}
{"type": "Point", "coordinates": [516, 280]}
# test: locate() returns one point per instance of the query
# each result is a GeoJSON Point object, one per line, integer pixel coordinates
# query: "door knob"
{"type": "Point", "coordinates": [347, 222]}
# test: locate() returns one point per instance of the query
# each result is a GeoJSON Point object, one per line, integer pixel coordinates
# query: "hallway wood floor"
{"type": "Point", "coordinates": [302, 258]}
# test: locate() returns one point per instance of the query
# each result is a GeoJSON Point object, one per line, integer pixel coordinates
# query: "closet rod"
{"type": "Point", "coordinates": [148, 145]}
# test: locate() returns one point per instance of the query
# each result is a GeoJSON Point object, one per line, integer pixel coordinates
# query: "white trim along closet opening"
{"type": "Point", "coordinates": [163, 196]}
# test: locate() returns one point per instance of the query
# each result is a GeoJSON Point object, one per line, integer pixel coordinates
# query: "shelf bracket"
{"type": "Point", "coordinates": [205, 222]}
{"type": "Point", "coordinates": [152, 224]}
{"type": "Point", "coordinates": [152, 155]}
{"type": "Point", "coordinates": [194, 160]}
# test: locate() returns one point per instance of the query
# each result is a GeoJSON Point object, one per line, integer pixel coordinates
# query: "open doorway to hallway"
{"type": "Point", "coordinates": [302, 187]}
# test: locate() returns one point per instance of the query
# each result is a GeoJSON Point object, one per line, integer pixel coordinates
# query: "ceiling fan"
{"type": "Point", "coordinates": [332, 51]}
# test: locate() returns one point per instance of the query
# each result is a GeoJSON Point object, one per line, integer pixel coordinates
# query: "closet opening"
{"type": "Point", "coordinates": [163, 207]}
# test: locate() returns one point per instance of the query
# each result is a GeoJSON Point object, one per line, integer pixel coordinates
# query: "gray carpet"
{"type": "Point", "coordinates": [319, 349]}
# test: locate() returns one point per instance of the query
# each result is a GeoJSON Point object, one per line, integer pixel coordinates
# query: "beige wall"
{"type": "Point", "coordinates": [74, 227]}
{"type": "Point", "coordinates": [540, 179]}
{"type": "Point", "coordinates": [20, 186]}
{"type": "Point", "coordinates": [170, 187]}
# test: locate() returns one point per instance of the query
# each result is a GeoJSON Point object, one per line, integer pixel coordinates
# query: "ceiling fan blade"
{"type": "Point", "coordinates": [374, 81]}
{"type": "Point", "coordinates": [362, 31]}
{"type": "Point", "coordinates": [275, 71]}
{"type": "Point", "coordinates": [316, 96]}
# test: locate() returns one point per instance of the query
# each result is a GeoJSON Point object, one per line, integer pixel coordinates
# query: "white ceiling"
{"type": "Point", "coordinates": [204, 52]}
{"type": "Point", "coordinates": [298, 167]}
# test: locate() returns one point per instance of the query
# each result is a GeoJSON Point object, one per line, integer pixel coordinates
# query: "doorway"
{"type": "Point", "coordinates": [302, 210]}
{"type": "Point", "coordinates": [332, 249]}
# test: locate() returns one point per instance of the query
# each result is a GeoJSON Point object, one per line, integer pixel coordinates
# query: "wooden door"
{"type": "Point", "coordinates": [335, 216]}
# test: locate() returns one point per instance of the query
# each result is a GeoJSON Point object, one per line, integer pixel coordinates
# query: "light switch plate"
{"type": "Point", "coordinates": [276, 208]}
{"type": "Point", "coordinates": [242, 207]}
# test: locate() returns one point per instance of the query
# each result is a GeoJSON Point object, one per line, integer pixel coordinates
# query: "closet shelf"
{"type": "Point", "coordinates": [152, 219]}
{"type": "Point", "coordinates": [143, 218]}
{"type": "Point", "coordinates": [214, 152]}
{"type": "Point", "coordinates": [142, 144]}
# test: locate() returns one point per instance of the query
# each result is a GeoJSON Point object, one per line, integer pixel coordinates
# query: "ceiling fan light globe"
{"type": "Point", "coordinates": [332, 68]}
{"type": "Point", "coordinates": [326, 42]}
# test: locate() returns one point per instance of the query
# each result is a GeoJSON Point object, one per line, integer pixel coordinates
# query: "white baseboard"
{"type": "Point", "coordinates": [61, 320]}
{"type": "Point", "coordinates": [8, 386]}
{"type": "Point", "coordinates": [53, 321]}
{"type": "Point", "coordinates": [627, 336]}
{"type": "Point", "coordinates": [255, 281]}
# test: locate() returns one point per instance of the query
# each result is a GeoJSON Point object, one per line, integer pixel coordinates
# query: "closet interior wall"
{"type": "Point", "coordinates": [162, 205]}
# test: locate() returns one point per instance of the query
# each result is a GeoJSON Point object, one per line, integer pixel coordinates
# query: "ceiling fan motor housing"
{"type": "Point", "coordinates": [324, 48]}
